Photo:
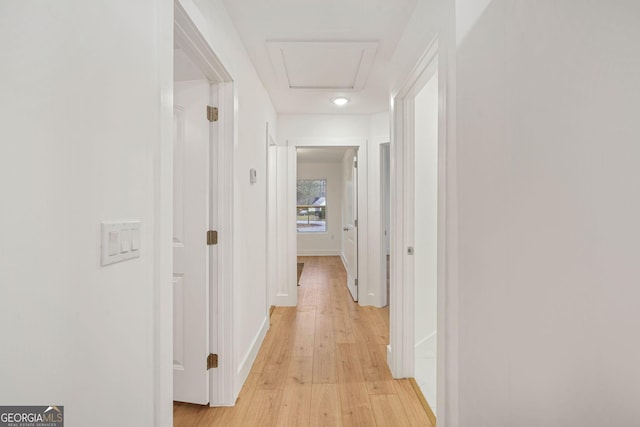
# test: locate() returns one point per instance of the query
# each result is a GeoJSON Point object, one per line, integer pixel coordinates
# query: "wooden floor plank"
{"type": "Point", "coordinates": [388, 410]}
{"type": "Point", "coordinates": [264, 408]}
{"type": "Point", "coordinates": [187, 414]}
{"type": "Point", "coordinates": [356, 407]}
{"type": "Point", "coordinates": [324, 354]}
{"type": "Point", "coordinates": [276, 362]}
{"type": "Point", "coordinates": [381, 387]}
{"type": "Point", "coordinates": [325, 406]}
{"type": "Point", "coordinates": [343, 327]}
{"type": "Point", "coordinates": [349, 364]}
{"type": "Point", "coordinates": [412, 406]}
{"type": "Point", "coordinates": [304, 334]}
{"type": "Point", "coordinates": [300, 370]}
{"type": "Point", "coordinates": [295, 407]}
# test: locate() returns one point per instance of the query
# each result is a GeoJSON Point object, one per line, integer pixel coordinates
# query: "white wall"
{"type": "Point", "coordinates": [540, 98]}
{"type": "Point", "coordinates": [547, 132]}
{"type": "Point", "coordinates": [253, 111]}
{"type": "Point", "coordinates": [322, 126]}
{"type": "Point", "coordinates": [325, 243]}
{"type": "Point", "coordinates": [80, 125]}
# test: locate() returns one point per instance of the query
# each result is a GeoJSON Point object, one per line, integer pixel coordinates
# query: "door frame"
{"type": "Point", "coordinates": [385, 189]}
{"type": "Point", "coordinates": [401, 348]}
{"type": "Point", "coordinates": [221, 339]}
{"type": "Point", "coordinates": [287, 289]}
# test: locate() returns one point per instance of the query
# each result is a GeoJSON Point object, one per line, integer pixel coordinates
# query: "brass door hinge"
{"type": "Point", "coordinates": [212, 113]}
{"type": "Point", "coordinates": [212, 361]}
{"type": "Point", "coordinates": [212, 237]}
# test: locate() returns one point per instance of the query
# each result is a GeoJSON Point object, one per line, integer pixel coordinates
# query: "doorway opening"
{"type": "Point", "coordinates": [425, 236]}
{"type": "Point", "coordinates": [202, 205]}
{"type": "Point", "coordinates": [193, 275]}
{"type": "Point", "coordinates": [327, 206]}
{"type": "Point", "coordinates": [418, 223]}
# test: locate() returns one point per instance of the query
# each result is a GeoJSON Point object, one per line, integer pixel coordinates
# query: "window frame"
{"type": "Point", "coordinates": [322, 208]}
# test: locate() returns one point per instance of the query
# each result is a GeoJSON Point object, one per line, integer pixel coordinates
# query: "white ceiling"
{"type": "Point", "coordinates": [309, 51]}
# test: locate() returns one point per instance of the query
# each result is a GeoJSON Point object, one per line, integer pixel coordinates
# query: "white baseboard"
{"type": "Point", "coordinates": [285, 300]}
{"type": "Point", "coordinates": [245, 366]}
{"type": "Point", "coordinates": [318, 252]}
{"type": "Point", "coordinates": [344, 261]}
{"type": "Point", "coordinates": [426, 340]}
{"type": "Point", "coordinates": [374, 301]}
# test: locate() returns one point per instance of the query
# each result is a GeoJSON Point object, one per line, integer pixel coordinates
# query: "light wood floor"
{"type": "Point", "coordinates": [321, 364]}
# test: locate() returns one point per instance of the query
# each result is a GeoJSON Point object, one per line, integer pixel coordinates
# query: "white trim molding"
{"type": "Point", "coordinates": [319, 252]}
{"type": "Point", "coordinates": [225, 298]}
{"type": "Point", "coordinates": [163, 220]}
{"type": "Point", "coordinates": [244, 367]}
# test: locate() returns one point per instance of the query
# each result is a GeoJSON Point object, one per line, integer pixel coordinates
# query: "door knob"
{"type": "Point", "coordinates": [346, 229]}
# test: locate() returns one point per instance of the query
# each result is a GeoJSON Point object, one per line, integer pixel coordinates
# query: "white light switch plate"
{"type": "Point", "coordinates": [120, 241]}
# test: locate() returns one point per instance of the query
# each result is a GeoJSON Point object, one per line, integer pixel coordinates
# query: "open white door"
{"type": "Point", "coordinates": [190, 250]}
{"type": "Point", "coordinates": [350, 220]}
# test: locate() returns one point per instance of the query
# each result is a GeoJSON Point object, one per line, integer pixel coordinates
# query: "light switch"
{"type": "Point", "coordinates": [113, 242]}
{"type": "Point", "coordinates": [125, 241]}
{"type": "Point", "coordinates": [135, 239]}
{"type": "Point", "coordinates": [120, 241]}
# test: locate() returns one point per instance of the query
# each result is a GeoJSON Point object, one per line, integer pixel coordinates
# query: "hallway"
{"type": "Point", "coordinates": [322, 363]}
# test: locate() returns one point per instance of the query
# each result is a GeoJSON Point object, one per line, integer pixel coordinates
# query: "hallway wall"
{"type": "Point", "coordinates": [81, 86]}
{"type": "Point", "coordinates": [547, 133]}
{"type": "Point", "coordinates": [541, 98]}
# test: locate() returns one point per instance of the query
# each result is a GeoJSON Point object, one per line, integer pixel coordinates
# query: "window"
{"type": "Point", "coordinates": [311, 216]}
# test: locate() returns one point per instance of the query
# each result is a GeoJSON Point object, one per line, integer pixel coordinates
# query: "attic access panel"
{"type": "Point", "coordinates": [322, 65]}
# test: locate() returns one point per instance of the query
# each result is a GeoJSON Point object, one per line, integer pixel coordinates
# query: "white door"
{"type": "Point", "coordinates": [190, 250]}
{"type": "Point", "coordinates": [350, 220]}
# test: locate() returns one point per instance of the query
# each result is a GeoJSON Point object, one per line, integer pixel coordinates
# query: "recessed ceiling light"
{"type": "Point", "coordinates": [340, 101]}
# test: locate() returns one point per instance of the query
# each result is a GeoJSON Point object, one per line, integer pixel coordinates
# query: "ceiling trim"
{"type": "Point", "coordinates": [283, 52]}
